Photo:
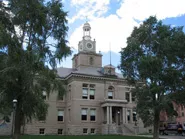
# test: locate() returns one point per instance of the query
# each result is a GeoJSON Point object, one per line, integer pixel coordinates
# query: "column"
{"type": "Point", "coordinates": [131, 116]}
{"type": "Point", "coordinates": [130, 97]}
{"type": "Point", "coordinates": [110, 114]}
{"type": "Point", "coordinates": [123, 115]}
{"type": "Point", "coordinates": [126, 121]}
{"type": "Point", "coordinates": [107, 114]}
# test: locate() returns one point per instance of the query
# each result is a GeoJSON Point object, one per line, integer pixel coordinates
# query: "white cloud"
{"type": "Point", "coordinates": [107, 31]}
{"type": "Point", "coordinates": [116, 28]}
{"type": "Point", "coordinates": [89, 8]}
{"type": "Point", "coordinates": [142, 9]}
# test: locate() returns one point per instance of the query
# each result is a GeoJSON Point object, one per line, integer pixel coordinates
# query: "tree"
{"type": "Point", "coordinates": [153, 62]}
{"type": "Point", "coordinates": [32, 42]}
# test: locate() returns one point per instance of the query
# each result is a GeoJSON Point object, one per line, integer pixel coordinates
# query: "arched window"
{"type": "Point", "coordinates": [91, 61]}
{"type": "Point", "coordinates": [110, 92]}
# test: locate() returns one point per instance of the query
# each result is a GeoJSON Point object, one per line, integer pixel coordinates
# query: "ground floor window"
{"type": "Point", "coordinates": [85, 130]}
{"type": "Point", "coordinates": [60, 131]}
{"type": "Point", "coordinates": [92, 130]}
{"type": "Point", "coordinates": [41, 131]}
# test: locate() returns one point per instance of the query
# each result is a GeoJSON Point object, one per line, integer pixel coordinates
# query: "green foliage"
{"type": "Point", "coordinates": [153, 62]}
{"type": "Point", "coordinates": [32, 42]}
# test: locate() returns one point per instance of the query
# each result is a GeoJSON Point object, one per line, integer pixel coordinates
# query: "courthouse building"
{"type": "Point", "coordinates": [98, 100]}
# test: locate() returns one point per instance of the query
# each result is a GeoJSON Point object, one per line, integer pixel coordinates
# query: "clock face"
{"type": "Point", "coordinates": [89, 46]}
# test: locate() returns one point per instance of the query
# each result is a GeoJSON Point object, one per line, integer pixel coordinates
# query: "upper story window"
{"type": "Point", "coordinates": [85, 93]}
{"type": "Point", "coordinates": [88, 91]}
{"type": "Point", "coordinates": [127, 96]}
{"type": "Point", "coordinates": [110, 92]}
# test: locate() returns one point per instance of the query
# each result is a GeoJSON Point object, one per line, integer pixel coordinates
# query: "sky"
{"type": "Point", "coordinates": [112, 21]}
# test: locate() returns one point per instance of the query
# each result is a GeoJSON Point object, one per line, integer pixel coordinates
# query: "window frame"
{"type": "Point", "coordinates": [85, 129]}
{"type": "Point", "coordinates": [93, 129]}
{"type": "Point", "coordinates": [82, 116]}
{"type": "Point", "coordinates": [128, 99]}
{"type": "Point", "coordinates": [60, 131]}
{"type": "Point", "coordinates": [93, 117]}
{"type": "Point", "coordinates": [88, 88]}
{"type": "Point", "coordinates": [41, 132]}
{"type": "Point", "coordinates": [60, 116]}
{"type": "Point", "coordinates": [112, 91]}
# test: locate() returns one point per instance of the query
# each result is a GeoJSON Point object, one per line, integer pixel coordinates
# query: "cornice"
{"type": "Point", "coordinates": [92, 77]}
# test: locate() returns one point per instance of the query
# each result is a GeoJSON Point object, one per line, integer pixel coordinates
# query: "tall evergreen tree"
{"type": "Point", "coordinates": [32, 42]}
{"type": "Point", "coordinates": [154, 62]}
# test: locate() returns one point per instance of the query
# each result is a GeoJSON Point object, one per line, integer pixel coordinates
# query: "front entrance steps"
{"type": "Point", "coordinates": [123, 129]}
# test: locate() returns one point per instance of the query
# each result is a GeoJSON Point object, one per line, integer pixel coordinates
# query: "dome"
{"type": "Point", "coordinates": [86, 24]}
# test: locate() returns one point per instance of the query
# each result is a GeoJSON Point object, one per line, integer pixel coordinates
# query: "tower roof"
{"type": "Point", "coordinates": [86, 24]}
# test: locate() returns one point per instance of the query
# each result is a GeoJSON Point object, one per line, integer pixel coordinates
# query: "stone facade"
{"type": "Point", "coordinates": [98, 100]}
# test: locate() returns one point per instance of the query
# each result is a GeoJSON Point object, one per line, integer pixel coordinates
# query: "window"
{"type": "Point", "coordinates": [128, 115]}
{"type": "Point", "coordinates": [60, 131]}
{"type": "Point", "coordinates": [84, 114]}
{"type": "Point", "coordinates": [182, 114]}
{"type": "Point", "coordinates": [85, 130]}
{"type": "Point", "coordinates": [182, 107]}
{"type": "Point", "coordinates": [61, 115]}
{"type": "Point", "coordinates": [92, 130]}
{"type": "Point", "coordinates": [92, 85]}
{"type": "Point", "coordinates": [60, 98]}
{"type": "Point", "coordinates": [127, 96]}
{"type": "Point", "coordinates": [91, 61]}
{"type": "Point", "coordinates": [41, 131]}
{"type": "Point", "coordinates": [42, 117]}
{"type": "Point", "coordinates": [92, 93]}
{"type": "Point", "coordinates": [85, 93]}
{"type": "Point", "coordinates": [110, 92]}
{"type": "Point", "coordinates": [110, 95]}
{"type": "Point", "coordinates": [85, 85]}
{"type": "Point", "coordinates": [88, 91]}
{"type": "Point", "coordinates": [133, 98]}
{"type": "Point", "coordinates": [93, 114]}
{"type": "Point", "coordinates": [44, 95]}
{"type": "Point", "coordinates": [134, 114]}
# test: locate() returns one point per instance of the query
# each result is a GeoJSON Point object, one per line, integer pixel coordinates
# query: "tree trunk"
{"type": "Point", "coordinates": [17, 130]}
{"type": "Point", "coordinates": [156, 125]}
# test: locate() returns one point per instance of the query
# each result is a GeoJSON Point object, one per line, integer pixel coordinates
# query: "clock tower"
{"type": "Point", "coordinates": [87, 56]}
{"type": "Point", "coordinates": [86, 44]}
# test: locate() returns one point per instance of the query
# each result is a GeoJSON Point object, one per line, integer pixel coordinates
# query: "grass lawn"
{"type": "Point", "coordinates": [79, 137]}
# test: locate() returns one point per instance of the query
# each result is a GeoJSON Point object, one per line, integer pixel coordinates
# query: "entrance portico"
{"type": "Point", "coordinates": [115, 111]}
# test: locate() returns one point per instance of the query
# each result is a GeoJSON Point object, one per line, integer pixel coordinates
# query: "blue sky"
{"type": "Point", "coordinates": [112, 21]}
